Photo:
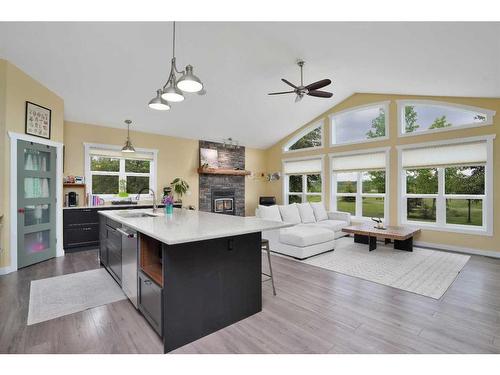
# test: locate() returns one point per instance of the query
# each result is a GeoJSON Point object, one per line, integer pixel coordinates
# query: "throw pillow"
{"type": "Point", "coordinates": [306, 213]}
{"type": "Point", "coordinates": [269, 213]}
{"type": "Point", "coordinates": [319, 211]}
{"type": "Point", "coordinates": [290, 213]}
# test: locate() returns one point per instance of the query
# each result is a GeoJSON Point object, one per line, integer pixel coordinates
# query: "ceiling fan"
{"type": "Point", "coordinates": [311, 89]}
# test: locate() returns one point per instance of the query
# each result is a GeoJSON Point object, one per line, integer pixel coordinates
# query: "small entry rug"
{"type": "Point", "coordinates": [423, 271]}
{"type": "Point", "coordinates": [67, 294]}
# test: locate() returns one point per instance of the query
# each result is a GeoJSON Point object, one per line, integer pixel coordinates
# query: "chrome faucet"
{"type": "Point", "coordinates": [155, 206]}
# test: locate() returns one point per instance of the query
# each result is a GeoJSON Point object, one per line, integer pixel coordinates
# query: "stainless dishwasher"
{"type": "Point", "coordinates": [129, 263]}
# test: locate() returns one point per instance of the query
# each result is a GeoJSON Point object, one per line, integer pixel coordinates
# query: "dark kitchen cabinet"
{"type": "Point", "coordinates": [150, 301]}
{"type": "Point", "coordinates": [103, 245]}
{"type": "Point", "coordinates": [114, 252]}
{"type": "Point", "coordinates": [81, 227]}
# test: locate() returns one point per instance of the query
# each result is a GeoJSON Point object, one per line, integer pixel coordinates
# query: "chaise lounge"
{"type": "Point", "coordinates": [314, 233]}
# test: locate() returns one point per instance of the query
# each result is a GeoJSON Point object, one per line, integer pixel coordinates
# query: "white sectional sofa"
{"type": "Point", "coordinates": [314, 232]}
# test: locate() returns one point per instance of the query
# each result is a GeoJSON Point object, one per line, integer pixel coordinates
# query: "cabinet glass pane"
{"type": "Point", "coordinates": [36, 242]}
{"type": "Point", "coordinates": [464, 211]}
{"type": "Point", "coordinates": [421, 209]}
{"type": "Point", "coordinates": [35, 160]}
{"type": "Point", "coordinates": [35, 187]}
{"type": "Point", "coordinates": [36, 214]}
{"type": "Point", "coordinates": [347, 204]}
{"type": "Point", "coordinates": [373, 207]}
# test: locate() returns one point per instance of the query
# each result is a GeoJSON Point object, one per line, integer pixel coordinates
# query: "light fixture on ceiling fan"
{"type": "Point", "coordinates": [173, 90]}
{"type": "Point", "coordinates": [128, 144]}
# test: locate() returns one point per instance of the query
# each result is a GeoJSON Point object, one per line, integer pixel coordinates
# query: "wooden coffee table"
{"type": "Point", "coordinates": [367, 234]}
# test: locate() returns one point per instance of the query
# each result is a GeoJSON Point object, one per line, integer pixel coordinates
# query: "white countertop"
{"type": "Point", "coordinates": [115, 206]}
{"type": "Point", "coordinates": [189, 226]}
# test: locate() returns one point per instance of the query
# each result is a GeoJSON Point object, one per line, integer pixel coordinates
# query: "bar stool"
{"type": "Point", "coordinates": [265, 246]}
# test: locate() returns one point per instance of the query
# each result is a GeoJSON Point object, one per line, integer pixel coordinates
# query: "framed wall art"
{"type": "Point", "coordinates": [38, 120]}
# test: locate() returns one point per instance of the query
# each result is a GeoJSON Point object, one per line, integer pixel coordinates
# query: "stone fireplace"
{"type": "Point", "coordinates": [223, 194]}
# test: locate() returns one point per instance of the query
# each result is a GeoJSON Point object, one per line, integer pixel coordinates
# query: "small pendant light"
{"type": "Point", "coordinates": [158, 102]}
{"type": "Point", "coordinates": [128, 144]}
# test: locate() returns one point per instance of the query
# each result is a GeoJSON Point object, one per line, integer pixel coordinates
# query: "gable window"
{"type": "Point", "coordinates": [360, 124]}
{"type": "Point", "coordinates": [110, 172]}
{"type": "Point", "coordinates": [418, 116]}
{"type": "Point", "coordinates": [359, 183]}
{"type": "Point", "coordinates": [446, 186]}
{"type": "Point", "coordinates": [310, 138]}
{"type": "Point", "coordinates": [303, 180]}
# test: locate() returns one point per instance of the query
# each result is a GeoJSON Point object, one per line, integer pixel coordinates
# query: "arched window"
{"type": "Point", "coordinates": [419, 116]}
{"type": "Point", "coordinates": [311, 137]}
{"type": "Point", "coordinates": [360, 124]}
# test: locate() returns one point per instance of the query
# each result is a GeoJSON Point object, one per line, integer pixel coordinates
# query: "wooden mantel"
{"type": "Point", "coordinates": [223, 171]}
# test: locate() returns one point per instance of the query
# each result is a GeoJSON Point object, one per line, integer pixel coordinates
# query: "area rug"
{"type": "Point", "coordinates": [67, 294]}
{"type": "Point", "coordinates": [423, 271]}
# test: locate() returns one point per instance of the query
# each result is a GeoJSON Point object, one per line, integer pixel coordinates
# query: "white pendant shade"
{"type": "Point", "coordinates": [158, 102]}
{"type": "Point", "coordinates": [189, 82]}
{"type": "Point", "coordinates": [172, 94]}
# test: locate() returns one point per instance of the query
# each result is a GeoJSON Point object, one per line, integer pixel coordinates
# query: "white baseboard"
{"type": "Point", "coordinates": [458, 249]}
{"type": "Point", "coordinates": [6, 270]}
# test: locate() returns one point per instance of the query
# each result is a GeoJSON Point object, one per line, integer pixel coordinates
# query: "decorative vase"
{"type": "Point", "coordinates": [169, 209]}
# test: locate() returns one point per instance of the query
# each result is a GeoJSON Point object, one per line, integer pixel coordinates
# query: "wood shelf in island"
{"type": "Point", "coordinates": [224, 171]}
{"type": "Point", "coordinates": [68, 184]}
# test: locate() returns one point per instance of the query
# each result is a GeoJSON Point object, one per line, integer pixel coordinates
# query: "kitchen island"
{"type": "Point", "coordinates": [194, 272]}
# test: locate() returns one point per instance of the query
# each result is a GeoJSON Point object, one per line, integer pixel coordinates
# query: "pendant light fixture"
{"type": "Point", "coordinates": [173, 90]}
{"type": "Point", "coordinates": [128, 144]}
{"type": "Point", "coordinates": [158, 102]}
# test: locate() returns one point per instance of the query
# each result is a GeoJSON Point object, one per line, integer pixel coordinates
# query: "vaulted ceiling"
{"type": "Point", "coordinates": [107, 72]}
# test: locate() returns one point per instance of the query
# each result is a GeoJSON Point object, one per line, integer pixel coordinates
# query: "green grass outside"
{"type": "Point", "coordinates": [457, 212]}
{"type": "Point", "coordinates": [372, 207]}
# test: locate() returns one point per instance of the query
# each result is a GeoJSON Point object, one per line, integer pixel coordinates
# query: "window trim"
{"type": "Point", "coordinates": [486, 229]}
{"type": "Point", "coordinates": [359, 193]}
{"type": "Point", "coordinates": [153, 168]}
{"type": "Point", "coordinates": [385, 104]}
{"type": "Point", "coordinates": [318, 124]}
{"type": "Point", "coordinates": [401, 104]}
{"type": "Point", "coordinates": [285, 189]}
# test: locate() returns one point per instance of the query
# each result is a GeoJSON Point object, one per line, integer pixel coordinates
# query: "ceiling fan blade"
{"type": "Point", "coordinates": [318, 84]}
{"type": "Point", "coordinates": [320, 94]}
{"type": "Point", "coordinates": [281, 92]}
{"type": "Point", "coordinates": [298, 98]}
{"type": "Point", "coordinates": [289, 83]}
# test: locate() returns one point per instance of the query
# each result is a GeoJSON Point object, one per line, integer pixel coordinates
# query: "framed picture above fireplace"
{"type": "Point", "coordinates": [209, 158]}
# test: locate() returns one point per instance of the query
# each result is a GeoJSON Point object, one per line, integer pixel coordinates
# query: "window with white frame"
{"type": "Point", "coordinates": [310, 138]}
{"type": "Point", "coordinates": [418, 116]}
{"type": "Point", "coordinates": [359, 184]}
{"type": "Point", "coordinates": [303, 180]}
{"type": "Point", "coordinates": [360, 124]}
{"type": "Point", "coordinates": [110, 173]}
{"type": "Point", "coordinates": [445, 185]}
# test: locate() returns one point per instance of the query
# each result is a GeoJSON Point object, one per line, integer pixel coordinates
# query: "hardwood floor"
{"type": "Point", "coordinates": [315, 311]}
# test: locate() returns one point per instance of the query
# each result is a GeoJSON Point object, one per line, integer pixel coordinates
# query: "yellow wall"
{"type": "Point", "coordinates": [177, 157]}
{"type": "Point", "coordinates": [19, 88]}
{"type": "Point", "coordinates": [274, 156]}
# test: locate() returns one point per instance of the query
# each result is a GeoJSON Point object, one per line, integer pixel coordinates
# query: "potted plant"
{"type": "Point", "coordinates": [122, 190]}
{"type": "Point", "coordinates": [180, 187]}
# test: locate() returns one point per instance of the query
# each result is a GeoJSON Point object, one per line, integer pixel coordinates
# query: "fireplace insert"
{"type": "Point", "coordinates": [223, 201]}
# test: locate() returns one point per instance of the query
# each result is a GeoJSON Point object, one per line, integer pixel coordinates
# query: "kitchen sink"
{"type": "Point", "coordinates": [129, 214]}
